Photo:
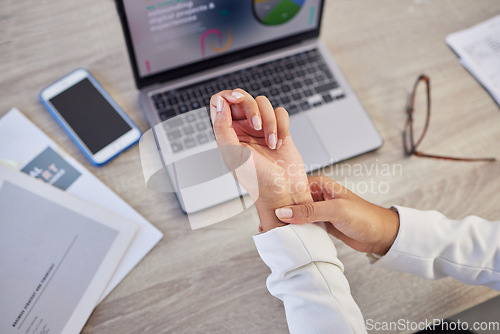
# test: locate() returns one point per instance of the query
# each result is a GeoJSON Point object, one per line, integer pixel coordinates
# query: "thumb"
{"type": "Point", "coordinates": [307, 213]}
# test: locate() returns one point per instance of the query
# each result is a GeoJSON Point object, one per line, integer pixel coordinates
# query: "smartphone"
{"type": "Point", "coordinates": [90, 116]}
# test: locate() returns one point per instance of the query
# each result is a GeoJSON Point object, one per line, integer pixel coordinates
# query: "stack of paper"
{"type": "Point", "coordinates": [26, 148]}
{"type": "Point", "coordinates": [479, 51]}
{"type": "Point", "coordinates": [57, 255]}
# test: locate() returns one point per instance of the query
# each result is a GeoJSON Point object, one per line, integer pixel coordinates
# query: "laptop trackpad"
{"type": "Point", "coordinates": [308, 143]}
{"type": "Point", "coordinates": [199, 168]}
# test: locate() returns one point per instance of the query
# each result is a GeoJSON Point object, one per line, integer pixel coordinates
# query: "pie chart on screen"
{"type": "Point", "coordinates": [276, 12]}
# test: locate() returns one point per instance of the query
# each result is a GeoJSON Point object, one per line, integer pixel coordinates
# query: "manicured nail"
{"type": "Point", "coordinates": [272, 141]}
{"type": "Point", "coordinates": [280, 142]}
{"type": "Point", "coordinates": [220, 103]}
{"type": "Point", "coordinates": [237, 95]}
{"type": "Point", "coordinates": [284, 213]}
{"type": "Point", "coordinates": [257, 123]}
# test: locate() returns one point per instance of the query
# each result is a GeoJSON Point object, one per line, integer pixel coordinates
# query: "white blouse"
{"type": "Point", "coordinates": [308, 277]}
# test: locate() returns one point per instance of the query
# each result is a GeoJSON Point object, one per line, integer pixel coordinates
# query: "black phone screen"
{"type": "Point", "coordinates": [90, 115]}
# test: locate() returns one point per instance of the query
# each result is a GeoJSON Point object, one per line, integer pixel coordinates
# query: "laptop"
{"type": "Point", "coordinates": [184, 51]}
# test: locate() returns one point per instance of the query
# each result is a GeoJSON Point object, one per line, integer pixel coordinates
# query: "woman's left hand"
{"type": "Point", "coordinates": [257, 148]}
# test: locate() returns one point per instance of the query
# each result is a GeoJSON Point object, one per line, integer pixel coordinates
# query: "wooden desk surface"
{"type": "Point", "coordinates": [212, 280]}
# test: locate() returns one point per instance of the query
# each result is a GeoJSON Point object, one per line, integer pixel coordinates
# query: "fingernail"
{"type": "Point", "coordinates": [220, 103]}
{"type": "Point", "coordinates": [257, 123]}
{"type": "Point", "coordinates": [237, 95]}
{"type": "Point", "coordinates": [284, 213]}
{"type": "Point", "coordinates": [272, 141]}
{"type": "Point", "coordinates": [280, 142]}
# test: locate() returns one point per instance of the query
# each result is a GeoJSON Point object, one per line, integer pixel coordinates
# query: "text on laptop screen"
{"type": "Point", "coordinates": [167, 34]}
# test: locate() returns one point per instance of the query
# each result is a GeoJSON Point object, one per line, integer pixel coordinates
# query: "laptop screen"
{"type": "Point", "coordinates": [169, 34]}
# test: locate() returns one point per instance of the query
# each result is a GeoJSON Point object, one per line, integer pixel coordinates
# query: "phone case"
{"type": "Point", "coordinates": [115, 106]}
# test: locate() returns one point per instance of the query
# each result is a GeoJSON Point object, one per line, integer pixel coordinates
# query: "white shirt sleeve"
{"type": "Point", "coordinates": [432, 246]}
{"type": "Point", "coordinates": [308, 277]}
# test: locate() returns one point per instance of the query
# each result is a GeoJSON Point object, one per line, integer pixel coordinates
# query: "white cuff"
{"type": "Point", "coordinates": [292, 246]}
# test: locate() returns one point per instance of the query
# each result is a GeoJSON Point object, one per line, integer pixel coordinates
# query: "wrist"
{"type": "Point", "coordinates": [391, 230]}
{"type": "Point", "coordinates": [266, 209]}
{"type": "Point", "coordinates": [268, 219]}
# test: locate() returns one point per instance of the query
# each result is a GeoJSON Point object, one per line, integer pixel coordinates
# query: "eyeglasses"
{"type": "Point", "coordinates": [409, 142]}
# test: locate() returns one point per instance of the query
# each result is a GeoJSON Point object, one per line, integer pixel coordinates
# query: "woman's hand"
{"type": "Point", "coordinates": [362, 225]}
{"type": "Point", "coordinates": [257, 148]}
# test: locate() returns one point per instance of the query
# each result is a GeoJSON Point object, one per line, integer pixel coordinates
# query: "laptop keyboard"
{"type": "Point", "coordinates": [298, 83]}
{"type": "Point", "coordinates": [189, 130]}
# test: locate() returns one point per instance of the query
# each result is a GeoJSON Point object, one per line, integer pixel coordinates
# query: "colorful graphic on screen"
{"type": "Point", "coordinates": [276, 12]}
{"type": "Point", "coordinates": [170, 34]}
{"type": "Point", "coordinates": [214, 48]}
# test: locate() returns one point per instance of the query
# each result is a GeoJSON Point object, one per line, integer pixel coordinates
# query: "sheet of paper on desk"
{"type": "Point", "coordinates": [479, 51]}
{"type": "Point", "coordinates": [57, 254]}
{"type": "Point", "coordinates": [26, 147]}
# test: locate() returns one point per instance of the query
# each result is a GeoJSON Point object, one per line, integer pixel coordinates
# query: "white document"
{"type": "Point", "coordinates": [479, 51]}
{"type": "Point", "coordinates": [57, 254]}
{"type": "Point", "coordinates": [25, 147]}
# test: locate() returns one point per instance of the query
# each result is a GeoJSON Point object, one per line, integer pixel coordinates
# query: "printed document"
{"type": "Point", "coordinates": [25, 147]}
{"type": "Point", "coordinates": [57, 254]}
{"type": "Point", "coordinates": [479, 51]}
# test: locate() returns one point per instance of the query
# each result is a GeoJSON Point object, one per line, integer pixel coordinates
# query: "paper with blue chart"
{"type": "Point", "coordinates": [25, 147]}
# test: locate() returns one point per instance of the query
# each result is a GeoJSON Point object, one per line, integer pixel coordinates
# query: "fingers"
{"type": "Point", "coordinates": [323, 188]}
{"type": "Point", "coordinates": [310, 212]}
{"type": "Point", "coordinates": [243, 106]}
{"type": "Point", "coordinates": [269, 121]}
{"type": "Point", "coordinates": [220, 113]}
{"type": "Point", "coordinates": [315, 188]}
{"type": "Point", "coordinates": [260, 114]}
{"type": "Point", "coordinates": [283, 125]}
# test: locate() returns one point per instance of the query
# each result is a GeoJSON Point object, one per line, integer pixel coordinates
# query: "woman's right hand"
{"type": "Point", "coordinates": [363, 226]}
